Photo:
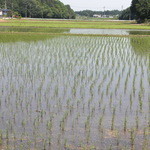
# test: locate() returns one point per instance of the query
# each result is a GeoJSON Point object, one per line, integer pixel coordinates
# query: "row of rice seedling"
{"type": "Point", "coordinates": [74, 92]}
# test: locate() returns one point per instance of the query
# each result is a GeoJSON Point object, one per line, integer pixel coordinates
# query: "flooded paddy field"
{"type": "Point", "coordinates": [75, 92]}
{"type": "Point", "coordinates": [76, 31]}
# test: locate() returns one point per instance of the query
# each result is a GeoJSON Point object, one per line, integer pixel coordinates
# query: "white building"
{"type": "Point", "coordinates": [97, 16]}
{"type": "Point", "coordinates": [4, 12]}
{"type": "Point", "coordinates": [102, 16]}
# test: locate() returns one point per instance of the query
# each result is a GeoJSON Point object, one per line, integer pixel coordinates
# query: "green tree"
{"type": "Point", "coordinates": [140, 9]}
{"type": "Point", "coordinates": [126, 14]}
{"type": "Point", "coordinates": [39, 8]}
{"type": "Point", "coordinates": [90, 13]}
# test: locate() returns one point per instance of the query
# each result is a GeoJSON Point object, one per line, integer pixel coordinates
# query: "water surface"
{"type": "Point", "coordinates": [76, 31]}
{"type": "Point", "coordinates": [73, 92]}
{"type": "Point", "coordinates": [110, 31]}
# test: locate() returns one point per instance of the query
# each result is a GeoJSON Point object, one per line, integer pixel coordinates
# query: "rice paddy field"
{"type": "Point", "coordinates": [90, 24]}
{"type": "Point", "coordinates": [74, 92]}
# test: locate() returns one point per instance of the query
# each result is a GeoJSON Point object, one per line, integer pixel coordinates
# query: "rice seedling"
{"type": "Point", "coordinates": [1, 137]}
{"type": "Point", "coordinates": [125, 122]}
{"type": "Point", "coordinates": [132, 138]}
{"type": "Point", "coordinates": [60, 91]}
{"type": "Point", "coordinates": [113, 118]}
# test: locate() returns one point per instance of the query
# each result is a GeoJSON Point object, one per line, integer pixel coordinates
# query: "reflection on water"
{"type": "Point", "coordinates": [76, 31]}
{"type": "Point", "coordinates": [74, 91]}
{"type": "Point", "coordinates": [139, 32]}
{"type": "Point", "coordinates": [110, 31]}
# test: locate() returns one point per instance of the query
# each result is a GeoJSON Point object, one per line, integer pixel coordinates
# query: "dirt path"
{"type": "Point", "coordinates": [1, 20]}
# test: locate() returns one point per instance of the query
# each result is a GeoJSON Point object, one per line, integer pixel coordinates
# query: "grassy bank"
{"type": "Point", "coordinates": [74, 24]}
{"type": "Point", "coordinates": [6, 37]}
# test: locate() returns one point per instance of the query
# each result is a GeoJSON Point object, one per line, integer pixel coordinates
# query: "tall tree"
{"type": "Point", "coordinates": [125, 15]}
{"type": "Point", "coordinates": [39, 8]}
{"type": "Point", "coordinates": [140, 9]}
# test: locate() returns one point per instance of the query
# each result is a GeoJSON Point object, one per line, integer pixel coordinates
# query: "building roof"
{"type": "Point", "coordinates": [5, 10]}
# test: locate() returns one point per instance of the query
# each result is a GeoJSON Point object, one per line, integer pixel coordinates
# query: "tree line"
{"type": "Point", "coordinates": [139, 10]}
{"type": "Point", "coordinates": [90, 13]}
{"type": "Point", "coordinates": [39, 8]}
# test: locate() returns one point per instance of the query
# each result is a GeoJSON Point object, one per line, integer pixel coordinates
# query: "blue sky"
{"type": "Point", "coordinates": [97, 4]}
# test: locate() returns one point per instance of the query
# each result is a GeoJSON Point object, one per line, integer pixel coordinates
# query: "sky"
{"type": "Point", "coordinates": [97, 4]}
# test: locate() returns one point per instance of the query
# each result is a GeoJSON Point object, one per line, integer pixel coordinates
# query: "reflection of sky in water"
{"type": "Point", "coordinates": [106, 31]}
{"type": "Point", "coordinates": [80, 76]}
{"type": "Point", "coordinates": [77, 31]}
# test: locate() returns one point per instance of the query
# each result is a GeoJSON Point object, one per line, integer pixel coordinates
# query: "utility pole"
{"type": "Point", "coordinates": [104, 10]}
{"type": "Point", "coordinates": [26, 10]}
{"type": "Point", "coordinates": [42, 11]}
{"type": "Point", "coordinates": [130, 15]}
{"type": "Point", "coordinates": [12, 7]}
{"type": "Point", "coordinates": [30, 11]}
{"type": "Point", "coordinates": [122, 7]}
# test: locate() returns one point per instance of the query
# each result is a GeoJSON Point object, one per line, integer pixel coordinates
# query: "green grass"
{"type": "Point", "coordinates": [23, 37]}
{"type": "Point", "coordinates": [141, 45]}
{"type": "Point", "coordinates": [139, 42]}
{"type": "Point", "coordinates": [33, 29]}
{"type": "Point", "coordinates": [75, 24]}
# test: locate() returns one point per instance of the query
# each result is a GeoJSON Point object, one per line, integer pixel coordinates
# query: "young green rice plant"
{"type": "Point", "coordinates": [1, 137]}
{"type": "Point", "coordinates": [49, 141]}
{"type": "Point", "coordinates": [49, 125]}
{"type": "Point", "coordinates": [125, 122]}
{"type": "Point", "coordinates": [110, 148]}
{"type": "Point", "coordinates": [88, 136]}
{"type": "Point", "coordinates": [65, 143]}
{"type": "Point", "coordinates": [140, 102]}
{"type": "Point", "coordinates": [113, 118]}
{"type": "Point", "coordinates": [77, 117]}
{"type": "Point", "coordinates": [110, 103]}
{"type": "Point", "coordinates": [92, 111]}
{"type": "Point", "coordinates": [72, 80]}
{"type": "Point", "coordinates": [87, 123]}
{"type": "Point", "coordinates": [78, 103]}
{"type": "Point", "coordinates": [7, 135]}
{"type": "Point", "coordinates": [118, 139]}
{"type": "Point", "coordinates": [132, 138]}
{"type": "Point", "coordinates": [103, 110]}
{"type": "Point", "coordinates": [100, 121]}
{"type": "Point", "coordinates": [137, 120]}
{"type": "Point", "coordinates": [89, 102]}
{"type": "Point", "coordinates": [126, 82]}
{"type": "Point", "coordinates": [120, 102]}
{"type": "Point", "coordinates": [146, 138]}
{"type": "Point", "coordinates": [131, 102]}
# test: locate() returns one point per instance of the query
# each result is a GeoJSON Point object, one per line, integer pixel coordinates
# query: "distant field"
{"type": "Point", "coordinates": [74, 24]}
